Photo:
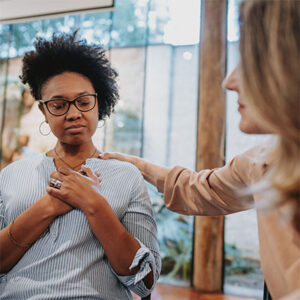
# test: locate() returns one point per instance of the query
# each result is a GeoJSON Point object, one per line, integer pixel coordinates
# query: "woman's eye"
{"type": "Point", "coordinates": [58, 105]}
{"type": "Point", "coordinates": [83, 103]}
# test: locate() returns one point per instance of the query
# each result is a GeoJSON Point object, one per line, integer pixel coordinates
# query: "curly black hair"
{"type": "Point", "coordinates": [66, 53]}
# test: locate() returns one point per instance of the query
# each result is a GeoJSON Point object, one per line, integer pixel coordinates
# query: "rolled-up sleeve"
{"type": "Point", "coordinates": [146, 262]}
{"type": "Point", "coordinates": [140, 223]}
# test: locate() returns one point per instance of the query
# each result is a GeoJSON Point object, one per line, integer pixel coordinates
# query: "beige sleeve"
{"type": "Point", "coordinates": [210, 192]}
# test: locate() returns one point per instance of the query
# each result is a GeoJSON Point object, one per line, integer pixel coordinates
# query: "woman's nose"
{"type": "Point", "coordinates": [73, 112]}
{"type": "Point", "coordinates": [231, 81]}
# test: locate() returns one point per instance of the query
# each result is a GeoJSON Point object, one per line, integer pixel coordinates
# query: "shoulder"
{"type": "Point", "coordinates": [253, 163]}
{"type": "Point", "coordinates": [260, 155]}
{"type": "Point", "coordinates": [118, 174]}
{"type": "Point", "coordinates": [26, 164]}
{"type": "Point", "coordinates": [115, 166]}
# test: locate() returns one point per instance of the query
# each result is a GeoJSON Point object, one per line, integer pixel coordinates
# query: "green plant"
{"type": "Point", "coordinates": [235, 263]}
{"type": "Point", "coordinates": [175, 238]}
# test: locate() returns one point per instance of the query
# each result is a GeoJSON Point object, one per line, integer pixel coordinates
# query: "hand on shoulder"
{"type": "Point", "coordinates": [119, 156]}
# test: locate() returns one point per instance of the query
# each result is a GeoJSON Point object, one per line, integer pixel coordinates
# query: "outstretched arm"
{"type": "Point", "coordinates": [208, 192]}
{"type": "Point", "coordinates": [149, 170]}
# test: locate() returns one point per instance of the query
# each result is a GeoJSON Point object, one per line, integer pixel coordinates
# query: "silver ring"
{"type": "Point", "coordinates": [55, 183]}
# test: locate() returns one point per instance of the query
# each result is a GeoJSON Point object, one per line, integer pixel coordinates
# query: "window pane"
{"type": "Point", "coordinates": [154, 47]}
{"type": "Point", "coordinates": [169, 139]}
{"type": "Point", "coordinates": [242, 265]}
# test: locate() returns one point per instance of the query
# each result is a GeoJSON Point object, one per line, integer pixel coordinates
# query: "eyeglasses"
{"type": "Point", "coordinates": [59, 107]}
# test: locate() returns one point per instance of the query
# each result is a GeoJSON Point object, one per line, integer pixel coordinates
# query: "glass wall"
{"type": "Point", "coordinates": [154, 47]}
{"type": "Point", "coordinates": [242, 266]}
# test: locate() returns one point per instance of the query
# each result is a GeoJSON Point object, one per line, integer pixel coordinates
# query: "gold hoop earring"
{"type": "Point", "coordinates": [101, 125]}
{"type": "Point", "coordinates": [40, 129]}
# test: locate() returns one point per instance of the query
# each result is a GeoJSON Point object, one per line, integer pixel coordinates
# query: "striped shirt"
{"type": "Point", "coordinates": [67, 261]}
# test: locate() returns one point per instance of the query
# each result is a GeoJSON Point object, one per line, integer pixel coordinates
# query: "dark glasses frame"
{"type": "Point", "coordinates": [69, 103]}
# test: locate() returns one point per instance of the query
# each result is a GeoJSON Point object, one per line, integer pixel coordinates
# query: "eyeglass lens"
{"type": "Point", "coordinates": [61, 106]}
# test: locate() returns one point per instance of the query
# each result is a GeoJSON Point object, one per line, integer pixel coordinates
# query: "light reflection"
{"type": "Point", "coordinates": [184, 23]}
{"type": "Point", "coordinates": [232, 21]}
{"type": "Point", "coordinates": [120, 124]}
{"type": "Point", "coordinates": [187, 55]}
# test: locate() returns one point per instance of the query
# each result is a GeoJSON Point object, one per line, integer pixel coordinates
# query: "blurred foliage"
{"type": "Point", "coordinates": [175, 233]}
{"type": "Point", "coordinates": [127, 132]}
{"type": "Point", "coordinates": [124, 26]}
{"type": "Point", "coordinates": [235, 263]}
{"type": "Point", "coordinates": [12, 141]}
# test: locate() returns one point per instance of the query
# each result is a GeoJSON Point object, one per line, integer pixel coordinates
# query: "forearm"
{"type": "Point", "coordinates": [16, 240]}
{"type": "Point", "coordinates": [119, 245]}
{"type": "Point", "coordinates": [155, 174]}
{"type": "Point", "coordinates": [150, 171]}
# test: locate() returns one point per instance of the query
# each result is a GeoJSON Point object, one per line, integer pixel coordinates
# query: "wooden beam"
{"type": "Point", "coordinates": [209, 231]}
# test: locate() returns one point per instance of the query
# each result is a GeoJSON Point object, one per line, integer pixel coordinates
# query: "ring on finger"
{"type": "Point", "coordinates": [55, 183]}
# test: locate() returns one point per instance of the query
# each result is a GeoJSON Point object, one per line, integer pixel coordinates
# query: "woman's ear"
{"type": "Point", "coordinates": [42, 109]}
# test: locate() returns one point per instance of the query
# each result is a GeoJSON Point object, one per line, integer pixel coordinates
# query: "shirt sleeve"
{"type": "Point", "coordinates": [2, 213]}
{"type": "Point", "coordinates": [139, 221]}
{"type": "Point", "coordinates": [213, 192]}
{"type": "Point", "coordinates": [292, 296]}
{"type": "Point", "coordinates": [2, 221]}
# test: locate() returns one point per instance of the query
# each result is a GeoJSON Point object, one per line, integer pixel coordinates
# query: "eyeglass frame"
{"type": "Point", "coordinates": [69, 103]}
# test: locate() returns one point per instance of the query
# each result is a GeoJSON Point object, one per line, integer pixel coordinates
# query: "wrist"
{"type": "Point", "coordinates": [139, 163]}
{"type": "Point", "coordinates": [94, 205]}
{"type": "Point", "coordinates": [45, 206]}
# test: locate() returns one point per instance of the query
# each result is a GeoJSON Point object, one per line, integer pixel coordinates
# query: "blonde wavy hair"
{"type": "Point", "coordinates": [270, 71]}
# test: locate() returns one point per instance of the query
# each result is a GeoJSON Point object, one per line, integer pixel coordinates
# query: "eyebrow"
{"type": "Point", "coordinates": [63, 97]}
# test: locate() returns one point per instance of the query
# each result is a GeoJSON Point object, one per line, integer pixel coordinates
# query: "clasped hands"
{"type": "Point", "coordinates": [72, 188]}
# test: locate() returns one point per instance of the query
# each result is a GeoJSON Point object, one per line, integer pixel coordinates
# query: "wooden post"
{"type": "Point", "coordinates": [209, 231]}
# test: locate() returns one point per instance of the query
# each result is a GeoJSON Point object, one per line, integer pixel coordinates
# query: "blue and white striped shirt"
{"type": "Point", "coordinates": [67, 261]}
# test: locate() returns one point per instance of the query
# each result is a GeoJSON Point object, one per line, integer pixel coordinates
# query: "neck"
{"type": "Point", "coordinates": [83, 150]}
{"type": "Point", "coordinates": [73, 156]}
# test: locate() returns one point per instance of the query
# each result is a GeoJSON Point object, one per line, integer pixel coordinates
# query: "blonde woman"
{"type": "Point", "coordinates": [267, 83]}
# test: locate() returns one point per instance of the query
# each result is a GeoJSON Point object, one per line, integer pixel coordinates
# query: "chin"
{"type": "Point", "coordinates": [74, 140]}
{"type": "Point", "coordinates": [251, 128]}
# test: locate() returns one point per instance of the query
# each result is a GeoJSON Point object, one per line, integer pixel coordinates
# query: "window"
{"type": "Point", "coordinates": [18, 10]}
{"type": "Point", "coordinates": [242, 265]}
{"type": "Point", "coordinates": [154, 47]}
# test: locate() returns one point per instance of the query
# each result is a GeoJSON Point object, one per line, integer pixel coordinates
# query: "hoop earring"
{"type": "Point", "coordinates": [40, 129]}
{"type": "Point", "coordinates": [101, 125]}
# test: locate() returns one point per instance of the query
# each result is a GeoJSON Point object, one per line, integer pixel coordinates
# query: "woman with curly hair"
{"type": "Point", "coordinates": [267, 176]}
{"type": "Point", "coordinates": [66, 233]}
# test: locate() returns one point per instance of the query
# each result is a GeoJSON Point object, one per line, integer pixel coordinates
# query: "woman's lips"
{"type": "Point", "coordinates": [240, 107]}
{"type": "Point", "coordinates": [75, 129]}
